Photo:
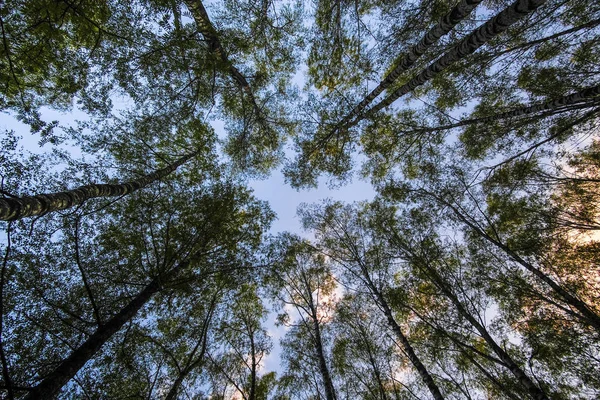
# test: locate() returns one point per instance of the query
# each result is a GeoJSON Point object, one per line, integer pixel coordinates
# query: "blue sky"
{"type": "Point", "coordinates": [284, 200]}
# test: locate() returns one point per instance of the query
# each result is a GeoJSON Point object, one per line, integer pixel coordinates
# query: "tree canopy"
{"type": "Point", "coordinates": [136, 262]}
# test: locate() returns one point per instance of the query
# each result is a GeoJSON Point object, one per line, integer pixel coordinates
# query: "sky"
{"type": "Point", "coordinates": [284, 200]}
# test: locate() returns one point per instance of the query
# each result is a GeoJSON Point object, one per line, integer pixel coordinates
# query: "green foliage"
{"type": "Point", "coordinates": [475, 267]}
{"type": "Point", "coordinates": [542, 81]}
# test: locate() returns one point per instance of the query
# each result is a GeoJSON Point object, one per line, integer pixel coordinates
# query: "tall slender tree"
{"type": "Point", "coordinates": [472, 275]}
{"type": "Point", "coordinates": [586, 313]}
{"type": "Point", "coordinates": [423, 259]}
{"type": "Point", "coordinates": [14, 208]}
{"type": "Point", "coordinates": [404, 62]}
{"type": "Point", "coordinates": [367, 263]}
{"type": "Point", "coordinates": [245, 344]}
{"type": "Point", "coordinates": [476, 39]}
{"type": "Point", "coordinates": [301, 279]}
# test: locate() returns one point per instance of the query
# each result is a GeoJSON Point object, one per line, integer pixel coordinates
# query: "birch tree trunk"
{"type": "Point", "coordinates": [329, 389]}
{"type": "Point", "coordinates": [483, 34]}
{"type": "Point", "coordinates": [406, 346]}
{"type": "Point", "coordinates": [16, 208]}
{"type": "Point", "coordinates": [208, 31]}
{"type": "Point", "coordinates": [50, 386]}
{"type": "Point", "coordinates": [445, 25]}
{"type": "Point", "coordinates": [253, 369]}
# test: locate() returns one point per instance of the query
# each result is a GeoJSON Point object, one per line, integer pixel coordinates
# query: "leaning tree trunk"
{"type": "Point", "coordinates": [16, 208]}
{"type": "Point", "coordinates": [51, 385]}
{"type": "Point", "coordinates": [376, 369]}
{"type": "Point", "coordinates": [476, 39]}
{"type": "Point", "coordinates": [406, 346]}
{"type": "Point", "coordinates": [585, 98]}
{"type": "Point", "coordinates": [445, 25]}
{"type": "Point", "coordinates": [586, 314]}
{"type": "Point", "coordinates": [535, 392]}
{"type": "Point", "coordinates": [208, 31]}
{"type": "Point", "coordinates": [491, 378]}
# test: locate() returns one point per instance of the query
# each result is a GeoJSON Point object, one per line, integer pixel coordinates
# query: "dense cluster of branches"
{"type": "Point", "coordinates": [135, 262]}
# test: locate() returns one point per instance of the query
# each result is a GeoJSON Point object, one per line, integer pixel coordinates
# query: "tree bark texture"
{"type": "Point", "coordinates": [329, 389]}
{"type": "Point", "coordinates": [330, 393]}
{"type": "Point", "coordinates": [68, 368]}
{"type": "Point", "coordinates": [16, 208]}
{"type": "Point", "coordinates": [410, 352]}
{"type": "Point", "coordinates": [475, 40]}
{"type": "Point", "coordinates": [445, 25]}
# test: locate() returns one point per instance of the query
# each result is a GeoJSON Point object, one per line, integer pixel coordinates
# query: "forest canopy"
{"type": "Point", "coordinates": [137, 263]}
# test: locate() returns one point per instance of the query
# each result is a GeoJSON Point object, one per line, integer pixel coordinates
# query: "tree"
{"type": "Point", "coordinates": [301, 280]}
{"type": "Point", "coordinates": [347, 242]}
{"type": "Point", "coordinates": [320, 142]}
{"type": "Point", "coordinates": [587, 313]}
{"type": "Point", "coordinates": [257, 119]}
{"type": "Point", "coordinates": [427, 260]}
{"type": "Point", "coordinates": [585, 98]}
{"type": "Point", "coordinates": [218, 239]}
{"type": "Point", "coordinates": [144, 270]}
{"type": "Point", "coordinates": [46, 51]}
{"type": "Point", "coordinates": [244, 345]}
{"type": "Point", "coordinates": [477, 38]}
{"type": "Point", "coordinates": [16, 208]}
{"type": "Point", "coordinates": [365, 359]}
{"type": "Point", "coordinates": [445, 25]}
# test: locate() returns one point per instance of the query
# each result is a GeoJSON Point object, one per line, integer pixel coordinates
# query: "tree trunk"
{"type": "Point", "coordinates": [252, 394]}
{"type": "Point", "coordinates": [476, 39]}
{"type": "Point", "coordinates": [506, 359]}
{"type": "Point", "coordinates": [68, 368]}
{"type": "Point", "coordinates": [376, 370]}
{"type": "Point", "coordinates": [327, 381]}
{"type": "Point", "coordinates": [329, 389]}
{"type": "Point", "coordinates": [445, 25]}
{"type": "Point", "coordinates": [172, 395]}
{"type": "Point", "coordinates": [492, 379]}
{"type": "Point", "coordinates": [51, 385]}
{"type": "Point", "coordinates": [585, 98]}
{"type": "Point", "coordinates": [412, 356]}
{"type": "Point", "coordinates": [16, 208]}
{"type": "Point", "coordinates": [586, 315]}
{"type": "Point", "coordinates": [590, 24]}
{"type": "Point", "coordinates": [191, 365]}
{"type": "Point", "coordinates": [208, 31]}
